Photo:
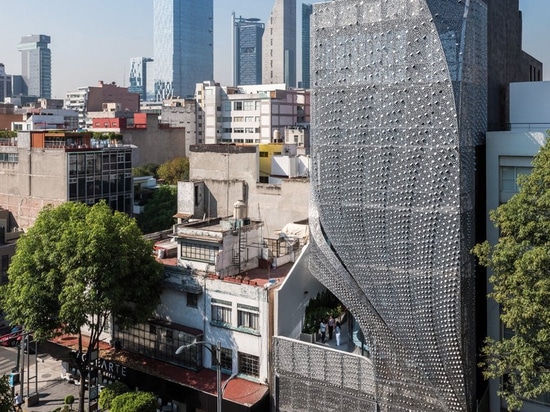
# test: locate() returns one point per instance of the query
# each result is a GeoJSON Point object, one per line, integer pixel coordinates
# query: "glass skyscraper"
{"type": "Point", "coordinates": [247, 50]}
{"type": "Point", "coordinates": [307, 9]}
{"type": "Point", "coordinates": [183, 46]}
{"type": "Point", "coordinates": [36, 65]}
{"type": "Point", "coordinates": [138, 76]}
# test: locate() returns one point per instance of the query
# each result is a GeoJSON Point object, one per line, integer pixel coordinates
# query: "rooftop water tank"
{"type": "Point", "coordinates": [239, 210]}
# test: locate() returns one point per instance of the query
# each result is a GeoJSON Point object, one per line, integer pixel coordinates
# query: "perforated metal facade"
{"type": "Point", "coordinates": [398, 108]}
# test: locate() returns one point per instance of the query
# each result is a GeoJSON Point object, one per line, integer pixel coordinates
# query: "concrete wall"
{"type": "Point", "coordinates": [530, 106]}
{"type": "Point", "coordinates": [38, 179]}
{"type": "Point", "coordinates": [293, 296]}
{"type": "Point", "coordinates": [155, 144]}
{"type": "Point", "coordinates": [230, 173]}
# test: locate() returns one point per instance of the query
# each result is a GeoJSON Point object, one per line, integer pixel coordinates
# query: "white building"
{"type": "Point", "coordinates": [47, 119]}
{"type": "Point", "coordinates": [76, 100]}
{"type": "Point", "coordinates": [510, 154]}
{"type": "Point", "coordinates": [248, 114]}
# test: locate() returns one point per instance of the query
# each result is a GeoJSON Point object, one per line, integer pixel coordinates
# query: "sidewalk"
{"type": "Point", "coordinates": [52, 389]}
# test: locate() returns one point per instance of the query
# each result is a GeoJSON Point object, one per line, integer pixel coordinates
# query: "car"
{"type": "Point", "coordinates": [11, 339]}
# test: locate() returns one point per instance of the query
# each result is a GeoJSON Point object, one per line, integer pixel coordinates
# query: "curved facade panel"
{"type": "Point", "coordinates": [398, 108]}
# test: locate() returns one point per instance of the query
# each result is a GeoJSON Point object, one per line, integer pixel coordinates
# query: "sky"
{"type": "Point", "coordinates": [94, 40]}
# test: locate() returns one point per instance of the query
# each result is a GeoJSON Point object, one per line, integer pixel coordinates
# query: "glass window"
{"type": "Point", "coordinates": [264, 154]}
{"type": "Point", "coordinates": [248, 319]}
{"type": "Point", "coordinates": [199, 252]}
{"type": "Point", "coordinates": [226, 360]}
{"type": "Point", "coordinates": [192, 299]}
{"type": "Point", "coordinates": [250, 105]}
{"type": "Point", "coordinates": [237, 105]}
{"type": "Point", "coordinates": [221, 311]}
{"type": "Point", "coordinates": [249, 364]}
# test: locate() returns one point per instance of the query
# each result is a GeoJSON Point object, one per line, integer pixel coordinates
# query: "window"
{"type": "Point", "coordinates": [9, 157]}
{"type": "Point", "coordinates": [227, 106]}
{"type": "Point", "coordinates": [511, 167]}
{"type": "Point", "coordinates": [509, 176]}
{"type": "Point", "coordinates": [226, 361]}
{"type": "Point", "coordinates": [237, 105]}
{"type": "Point", "coordinates": [221, 311]}
{"type": "Point", "coordinates": [249, 364]}
{"type": "Point", "coordinates": [238, 119]}
{"type": "Point", "coordinates": [197, 251]}
{"type": "Point", "coordinates": [264, 154]}
{"type": "Point", "coordinates": [250, 105]}
{"type": "Point", "coordinates": [248, 317]}
{"type": "Point", "coordinates": [192, 299]}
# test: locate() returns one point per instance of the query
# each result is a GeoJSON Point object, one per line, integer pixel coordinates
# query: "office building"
{"type": "Point", "coordinates": [307, 9]}
{"type": "Point", "coordinates": [5, 83]}
{"type": "Point", "coordinates": [183, 46]}
{"type": "Point", "coordinates": [279, 45]}
{"type": "Point", "coordinates": [398, 111]}
{"type": "Point", "coordinates": [138, 76]}
{"type": "Point", "coordinates": [40, 168]}
{"type": "Point", "coordinates": [36, 65]}
{"type": "Point", "coordinates": [247, 50]}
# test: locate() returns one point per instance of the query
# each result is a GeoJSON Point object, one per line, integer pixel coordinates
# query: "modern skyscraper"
{"type": "Point", "coordinates": [36, 65]}
{"type": "Point", "coordinates": [183, 46]}
{"type": "Point", "coordinates": [247, 50]}
{"type": "Point", "coordinates": [307, 9]}
{"type": "Point", "coordinates": [398, 110]}
{"type": "Point", "coordinates": [5, 83]}
{"type": "Point", "coordinates": [279, 45]}
{"type": "Point", "coordinates": [138, 76]}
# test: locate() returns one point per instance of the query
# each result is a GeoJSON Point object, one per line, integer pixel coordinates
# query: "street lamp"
{"type": "Point", "coordinates": [216, 351]}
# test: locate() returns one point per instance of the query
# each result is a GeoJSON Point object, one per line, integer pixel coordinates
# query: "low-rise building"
{"type": "Point", "coordinates": [39, 168]}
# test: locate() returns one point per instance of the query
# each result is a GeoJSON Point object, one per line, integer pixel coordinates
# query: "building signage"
{"type": "Point", "coordinates": [112, 369]}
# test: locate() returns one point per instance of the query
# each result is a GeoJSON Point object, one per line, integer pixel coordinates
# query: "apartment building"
{"type": "Point", "coordinates": [248, 114]}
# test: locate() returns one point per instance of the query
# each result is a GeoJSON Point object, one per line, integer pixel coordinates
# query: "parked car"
{"type": "Point", "coordinates": [11, 339]}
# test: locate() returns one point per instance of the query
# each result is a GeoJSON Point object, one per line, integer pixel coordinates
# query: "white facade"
{"type": "Point", "coordinates": [248, 114]}
{"type": "Point", "coordinates": [508, 155]}
{"type": "Point", "coordinates": [48, 119]}
{"type": "Point", "coordinates": [76, 100]}
{"type": "Point", "coordinates": [206, 256]}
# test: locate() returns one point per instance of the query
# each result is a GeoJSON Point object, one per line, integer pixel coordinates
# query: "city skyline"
{"type": "Point", "coordinates": [104, 31]}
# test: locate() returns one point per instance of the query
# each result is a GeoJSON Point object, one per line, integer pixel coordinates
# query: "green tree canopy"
{"type": "Point", "coordinates": [175, 170]}
{"type": "Point", "coordinates": [6, 396]}
{"type": "Point", "coordinates": [150, 169]}
{"type": "Point", "coordinates": [75, 268]}
{"type": "Point", "coordinates": [110, 392]}
{"type": "Point", "coordinates": [520, 265]}
{"type": "Point", "coordinates": [159, 211]}
{"type": "Point", "coordinates": [134, 402]}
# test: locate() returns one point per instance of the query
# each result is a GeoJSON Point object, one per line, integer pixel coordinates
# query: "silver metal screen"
{"type": "Point", "coordinates": [398, 108]}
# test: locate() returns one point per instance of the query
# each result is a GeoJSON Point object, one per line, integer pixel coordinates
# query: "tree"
{"type": "Point", "coordinates": [75, 268]}
{"type": "Point", "coordinates": [174, 170]}
{"type": "Point", "coordinates": [520, 265]}
{"type": "Point", "coordinates": [159, 210]}
{"type": "Point", "coordinates": [6, 396]}
{"type": "Point", "coordinates": [110, 392]}
{"type": "Point", "coordinates": [134, 402]}
{"type": "Point", "coordinates": [150, 169]}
